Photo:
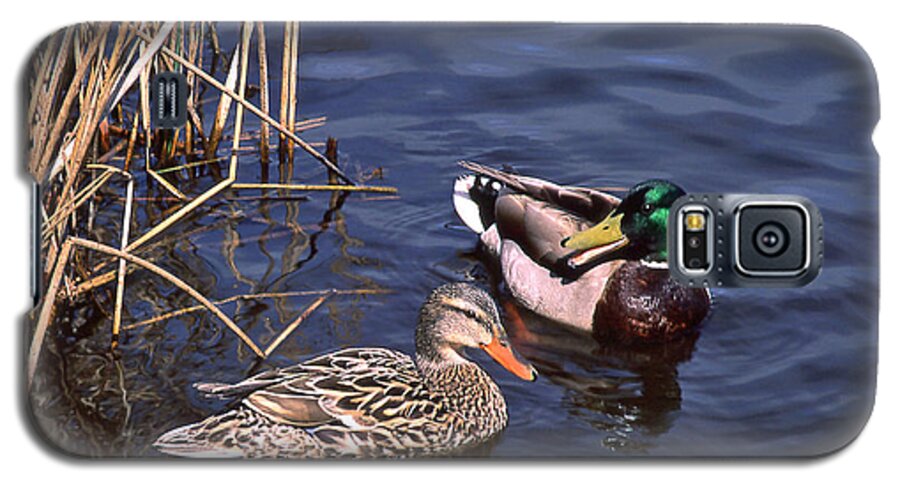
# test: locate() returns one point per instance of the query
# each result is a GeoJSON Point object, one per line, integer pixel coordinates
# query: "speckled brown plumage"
{"type": "Point", "coordinates": [365, 402]}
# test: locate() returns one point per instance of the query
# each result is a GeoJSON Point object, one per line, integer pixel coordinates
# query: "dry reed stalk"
{"type": "Point", "coordinates": [102, 165]}
{"type": "Point", "coordinates": [188, 137]}
{"type": "Point", "coordinates": [42, 99]}
{"type": "Point", "coordinates": [42, 85]}
{"type": "Point", "coordinates": [163, 182]}
{"type": "Point", "coordinates": [83, 132]}
{"type": "Point", "coordinates": [93, 245]}
{"type": "Point", "coordinates": [285, 88]}
{"type": "Point", "coordinates": [191, 165]}
{"type": "Point", "coordinates": [263, 90]}
{"type": "Point", "coordinates": [246, 32]}
{"type": "Point", "coordinates": [193, 47]}
{"type": "Point", "coordinates": [293, 325]}
{"type": "Point", "coordinates": [115, 81]}
{"type": "Point", "coordinates": [120, 285]}
{"type": "Point", "coordinates": [294, 79]}
{"type": "Point", "coordinates": [302, 127]}
{"type": "Point", "coordinates": [315, 187]}
{"type": "Point", "coordinates": [182, 47]}
{"type": "Point", "coordinates": [379, 198]}
{"type": "Point", "coordinates": [215, 133]}
{"type": "Point", "coordinates": [259, 197]}
{"type": "Point", "coordinates": [105, 93]}
{"type": "Point", "coordinates": [216, 50]}
{"type": "Point", "coordinates": [164, 64]}
{"type": "Point", "coordinates": [62, 114]}
{"type": "Point", "coordinates": [106, 85]}
{"type": "Point", "coordinates": [145, 112]}
{"type": "Point", "coordinates": [47, 308]}
{"type": "Point", "coordinates": [195, 88]}
{"type": "Point", "coordinates": [197, 121]}
{"type": "Point", "coordinates": [175, 217]}
{"type": "Point", "coordinates": [319, 119]}
{"type": "Point", "coordinates": [120, 85]}
{"type": "Point", "coordinates": [132, 140]}
{"type": "Point", "coordinates": [253, 109]}
{"type": "Point", "coordinates": [68, 206]}
{"type": "Point", "coordinates": [257, 296]}
{"type": "Point", "coordinates": [331, 151]}
{"type": "Point", "coordinates": [52, 243]}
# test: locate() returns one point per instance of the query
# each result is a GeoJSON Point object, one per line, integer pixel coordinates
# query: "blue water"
{"type": "Point", "coordinates": [714, 109]}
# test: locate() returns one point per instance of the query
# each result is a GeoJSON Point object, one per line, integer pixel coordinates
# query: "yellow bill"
{"type": "Point", "coordinates": [596, 241]}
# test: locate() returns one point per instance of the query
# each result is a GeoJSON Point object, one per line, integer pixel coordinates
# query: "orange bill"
{"type": "Point", "coordinates": [502, 353]}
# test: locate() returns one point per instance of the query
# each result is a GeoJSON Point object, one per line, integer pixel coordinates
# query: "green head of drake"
{"type": "Point", "coordinates": [636, 229]}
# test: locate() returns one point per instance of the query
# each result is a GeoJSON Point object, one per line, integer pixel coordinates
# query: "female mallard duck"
{"type": "Point", "coordinates": [367, 402]}
{"type": "Point", "coordinates": [582, 257]}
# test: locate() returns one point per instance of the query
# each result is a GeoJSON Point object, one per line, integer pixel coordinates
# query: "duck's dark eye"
{"type": "Point", "coordinates": [470, 314]}
{"type": "Point", "coordinates": [647, 208]}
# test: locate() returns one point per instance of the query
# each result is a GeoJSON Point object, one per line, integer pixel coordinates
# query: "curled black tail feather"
{"type": "Point", "coordinates": [506, 178]}
{"type": "Point", "coordinates": [474, 198]}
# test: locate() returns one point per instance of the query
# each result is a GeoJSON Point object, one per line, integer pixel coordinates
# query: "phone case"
{"type": "Point", "coordinates": [351, 240]}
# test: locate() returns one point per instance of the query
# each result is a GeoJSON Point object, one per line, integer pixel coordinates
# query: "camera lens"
{"type": "Point", "coordinates": [770, 239]}
{"type": "Point", "coordinates": [694, 241]}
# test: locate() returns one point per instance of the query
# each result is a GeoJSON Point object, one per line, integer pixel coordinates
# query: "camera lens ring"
{"type": "Point", "coordinates": [770, 239]}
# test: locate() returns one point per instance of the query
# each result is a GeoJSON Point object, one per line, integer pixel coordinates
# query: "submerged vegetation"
{"type": "Point", "coordinates": [89, 116]}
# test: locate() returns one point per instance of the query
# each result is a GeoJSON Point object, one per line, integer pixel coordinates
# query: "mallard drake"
{"type": "Point", "coordinates": [370, 402]}
{"type": "Point", "coordinates": [582, 257]}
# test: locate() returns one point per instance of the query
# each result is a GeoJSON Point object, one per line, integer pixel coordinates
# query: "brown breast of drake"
{"type": "Point", "coordinates": [643, 304]}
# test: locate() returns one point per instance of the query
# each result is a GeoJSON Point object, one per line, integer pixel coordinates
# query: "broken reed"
{"type": "Point", "coordinates": [262, 61]}
{"type": "Point", "coordinates": [79, 78]}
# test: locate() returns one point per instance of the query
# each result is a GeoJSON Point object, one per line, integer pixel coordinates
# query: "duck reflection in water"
{"type": "Point", "coordinates": [628, 391]}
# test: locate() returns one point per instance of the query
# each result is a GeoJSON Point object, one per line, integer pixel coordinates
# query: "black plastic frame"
{"type": "Point", "coordinates": [726, 270]}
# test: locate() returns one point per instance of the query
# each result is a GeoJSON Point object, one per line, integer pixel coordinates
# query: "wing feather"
{"type": "Point", "coordinates": [358, 388]}
{"type": "Point", "coordinates": [538, 214]}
